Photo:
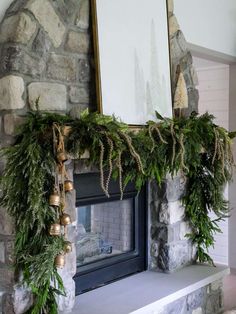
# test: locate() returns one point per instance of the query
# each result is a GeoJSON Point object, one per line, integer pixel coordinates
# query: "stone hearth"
{"type": "Point", "coordinates": [46, 50]}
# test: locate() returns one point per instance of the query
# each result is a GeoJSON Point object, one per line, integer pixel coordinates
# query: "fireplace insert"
{"type": "Point", "coordinates": [111, 236]}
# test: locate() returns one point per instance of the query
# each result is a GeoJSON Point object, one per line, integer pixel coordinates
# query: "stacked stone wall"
{"type": "Point", "coordinates": [46, 51]}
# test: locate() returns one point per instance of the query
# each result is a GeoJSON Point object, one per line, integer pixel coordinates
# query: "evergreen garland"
{"type": "Point", "coordinates": [195, 146]}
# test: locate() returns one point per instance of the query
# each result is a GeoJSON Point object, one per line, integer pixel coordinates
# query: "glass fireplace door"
{"type": "Point", "coordinates": [105, 230]}
{"type": "Point", "coordinates": [111, 233]}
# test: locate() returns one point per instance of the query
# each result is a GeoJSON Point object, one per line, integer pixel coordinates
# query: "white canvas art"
{"type": "Point", "coordinates": [133, 59]}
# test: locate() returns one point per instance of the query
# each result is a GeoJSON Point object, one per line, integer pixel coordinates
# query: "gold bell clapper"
{"type": "Point", "coordinates": [54, 199]}
{"type": "Point", "coordinates": [68, 247]}
{"type": "Point", "coordinates": [62, 157]}
{"type": "Point", "coordinates": [55, 230]}
{"type": "Point", "coordinates": [68, 186]}
{"type": "Point", "coordinates": [60, 261]}
{"type": "Point", "coordinates": [65, 220]}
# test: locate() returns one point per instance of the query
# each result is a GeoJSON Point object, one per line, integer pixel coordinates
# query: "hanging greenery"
{"type": "Point", "coordinates": [195, 146]}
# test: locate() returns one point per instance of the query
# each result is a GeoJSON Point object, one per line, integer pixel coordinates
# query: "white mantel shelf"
{"type": "Point", "coordinates": [147, 291]}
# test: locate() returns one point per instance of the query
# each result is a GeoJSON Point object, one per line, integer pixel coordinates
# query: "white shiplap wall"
{"type": "Point", "coordinates": [214, 98]}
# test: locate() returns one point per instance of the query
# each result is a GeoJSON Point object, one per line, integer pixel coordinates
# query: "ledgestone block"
{"type": "Point", "coordinates": [78, 42]}
{"type": "Point", "coordinates": [11, 123]}
{"type": "Point", "coordinates": [11, 92]}
{"type": "Point", "coordinates": [79, 95]}
{"type": "Point", "coordinates": [52, 96]}
{"type": "Point", "coordinates": [48, 18]}
{"type": "Point", "coordinates": [18, 60]}
{"type": "Point", "coordinates": [62, 68]}
{"type": "Point", "coordinates": [18, 28]}
{"type": "Point", "coordinates": [82, 19]}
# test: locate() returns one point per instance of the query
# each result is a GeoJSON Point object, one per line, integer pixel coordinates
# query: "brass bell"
{"type": "Point", "coordinates": [54, 199]}
{"type": "Point", "coordinates": [68, 186]}
{"type": "Point", "coordinates": [62, 157]}
{"type": "Point", "coordinates": [65, 220]}
{"type": "Point", "coordinates": [60, 261]}
{"type": "Point", "coordinates": [68, 247]}
{"type": "Point", "coordinates": [55, 230]}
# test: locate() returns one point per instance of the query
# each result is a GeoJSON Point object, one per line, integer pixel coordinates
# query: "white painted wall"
{"type": "Point", "coordinates": [214, 97]}
{"type": "Point", "coordinates": [232, 187]}
{"type": "Point", "coordinates": [4, 4]}
{"type": "Point", "coordinates": [209, 23]}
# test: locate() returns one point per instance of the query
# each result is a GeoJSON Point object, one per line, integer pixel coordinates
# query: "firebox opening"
{"type": "Point", "coordinates": [111, 235]}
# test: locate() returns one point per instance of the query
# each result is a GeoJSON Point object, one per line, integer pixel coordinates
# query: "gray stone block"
{"type": "Point", "coordinates": [7, 278]}
{"type": "Point", "coordinates": [173, 25]}
{"type": "Point", "coordinates": [193, 98]}
{"type": "Point", "coordinates": [188, 79]}
{"type": "Point", "coordinates": [214, 303]}
{"type": "Point", "coordinates": [17, 60]}
{"type": "Point", "coordinates": [172, 189]}
{"type": "Point", "coordinates": [2, 252]}
{"type": "Point", "coordinates": [174, 256]}
{"type": "Point", "coordinates": [66, 9]}
{"type": "Point", "coordinates": [186, 61]}
{"type": "Point", "coordinates": [12, 123]}
{"type": "Point", "coordinates": [18, 28]}
{"type": "Point", "coordinates": [76, 110]}
{"type": "Point", "coordinates": [175, 51]}
{"type": "Point", "coordinates": [2, 167]}
{"type": "Point", "coordinates": [78, 42]}
{"type": "Point", "coordinates": [9, 251]}
{"type": "Point", "coordinates": [11, 92]}
{"type": "Point", "coordinates": [6, 223]}
{"type": "Point", "coordinates": [70, 205]}
{"type": "Point", "coordinates": [84, 71]}
{"type": "Point", "coordinates": [175, 187]}
{"type": "Point", "coordinates": [66, 303]}
{"type": "Point", "coordinates": [23, 299]}
{"type": "Point", "coordinates": [159, 233]}
{"type": "Point", "coordinates": [79, 95]}
{"type": "Point", "coordinates": [170, 4]}
{"type": "Point", "coordinates": [217, 285]}
{"type": "Point", "coordinates": [62, 68]}
{"type": "Point", "coordinates": [7, 304]}
{"type": "Point", "coordinates": [199, 310]}
{"type": "Point", "coordinates": [154, 212]}
{"type": "Point", "coordinates": [196, 299]}
{"type": "Point", "coordinates": [82, 18]}
{"type": "Point", "coordinates": [49, 20]}
{"type": "Point", "coordinates": [71, 261]}
{"type": "Point", "coordinates": [52, 96]}
{"type": "Point", "coordinates": [72, 233]}
{"type": "Point", "coordinates": [155, 249]}
{"type": "Point", "coordinates": [194, 75]}
{"type": "Point", "coordinates": [184, 229]}
{"type": "Point", "coordinates": [171, 213]}
{"type": "Point", "coordinates": [177, 307]}
{"type": "Point", "coordinates": [182, 42]}
{"type": "Point", "coordinates": [166, 233]}
{"type": "Point", "coordinates": [41, 44]}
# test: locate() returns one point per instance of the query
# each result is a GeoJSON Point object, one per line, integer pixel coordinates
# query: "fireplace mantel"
{"type": "Point", "coordinates": [151, 292]}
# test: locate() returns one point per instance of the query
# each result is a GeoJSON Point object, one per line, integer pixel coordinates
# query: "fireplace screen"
{"type": "Point", "coordinates": [111, 233]}
{"type": "Point", "coordinates": [104, 230]}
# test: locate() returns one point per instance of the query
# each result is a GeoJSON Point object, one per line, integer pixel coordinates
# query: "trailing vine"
{"type": "Point", "coordinates": [195, 146]}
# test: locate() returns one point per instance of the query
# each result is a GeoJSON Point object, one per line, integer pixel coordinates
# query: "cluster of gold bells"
{"type": "Point", "coordinates": [57, 199]}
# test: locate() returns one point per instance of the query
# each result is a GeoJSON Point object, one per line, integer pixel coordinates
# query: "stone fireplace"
{"type": "Point", "coordinates": [46, 51]}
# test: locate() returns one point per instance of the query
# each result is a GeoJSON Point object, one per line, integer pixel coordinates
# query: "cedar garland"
{"type": "Point", "coordinates": [193, 145]}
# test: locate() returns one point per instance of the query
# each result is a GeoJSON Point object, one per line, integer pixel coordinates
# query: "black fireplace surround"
{"type": "Point", "coordinates": [106, 270]}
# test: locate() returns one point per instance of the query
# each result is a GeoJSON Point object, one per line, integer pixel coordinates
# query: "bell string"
{"type": "Point", "coordinates": [60, 144]}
